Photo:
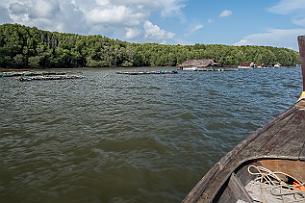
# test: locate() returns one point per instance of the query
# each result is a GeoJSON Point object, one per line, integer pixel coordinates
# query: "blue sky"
{"type": "Point", "coordinates": [233, 22]}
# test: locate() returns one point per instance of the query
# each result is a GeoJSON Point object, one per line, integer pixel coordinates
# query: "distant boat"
{"type": "Point", "coordinates": [260, 65]}
{"type": "Point", "coordinates": [246, 65]}
{"type": "Point", "coordinates": [268, 166]}
{"type": "Point", "coordinates": [278, 65]}
{"type": "Point", "coordinates": [189, 68]}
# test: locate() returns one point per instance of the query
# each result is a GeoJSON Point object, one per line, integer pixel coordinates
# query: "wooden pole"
{"type": "Point", "coordinates": [301, 40]}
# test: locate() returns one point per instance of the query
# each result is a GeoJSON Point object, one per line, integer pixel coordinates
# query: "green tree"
{"type": "Point", "coordinates": [22, 46]}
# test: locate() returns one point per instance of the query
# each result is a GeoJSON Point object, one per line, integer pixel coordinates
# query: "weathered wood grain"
{"type": "Point", "coordinates": [238, 189]}
{"type": "Point", "coordinates": [289, 141]}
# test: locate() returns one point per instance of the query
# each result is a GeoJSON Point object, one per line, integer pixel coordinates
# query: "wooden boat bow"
{"type": "Point", "coordinates": [280, 141]}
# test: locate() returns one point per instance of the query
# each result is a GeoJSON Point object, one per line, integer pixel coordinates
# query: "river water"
{"type": "Point", "coordinates": [119, 138]}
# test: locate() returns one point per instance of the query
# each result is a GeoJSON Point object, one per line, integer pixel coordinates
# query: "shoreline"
{"type": "Point", "coordinates": [11, 69]}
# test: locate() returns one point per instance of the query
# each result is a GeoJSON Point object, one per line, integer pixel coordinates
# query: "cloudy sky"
{"type": "Point", "coordinates": [239, 22]}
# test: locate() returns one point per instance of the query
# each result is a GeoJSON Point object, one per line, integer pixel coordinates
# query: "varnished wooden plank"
{"type": "Point", "coordinates": [294, 168]}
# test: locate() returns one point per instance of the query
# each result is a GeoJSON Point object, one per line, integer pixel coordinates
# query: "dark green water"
{"type": "Point", "coordinates": [119, 138]}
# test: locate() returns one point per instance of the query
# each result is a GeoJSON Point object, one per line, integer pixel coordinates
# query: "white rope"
{"type": "Point", "coordinates": [269, 177]}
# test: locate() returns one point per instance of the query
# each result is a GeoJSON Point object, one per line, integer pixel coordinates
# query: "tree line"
{"type": "Point", "coordinates": [22, 46]}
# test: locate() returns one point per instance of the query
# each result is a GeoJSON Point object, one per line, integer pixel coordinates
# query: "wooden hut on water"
{"type": "Point", "coordinates": [267, 167]}
{"type": "Point", "coordinates": [197, 64]}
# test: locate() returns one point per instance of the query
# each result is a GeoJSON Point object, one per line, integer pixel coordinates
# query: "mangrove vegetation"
{"type": "Point", "coordinates": [22, 46]}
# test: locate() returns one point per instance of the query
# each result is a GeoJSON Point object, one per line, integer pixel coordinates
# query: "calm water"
{"type": "Point", "coordinates": [119, 138]}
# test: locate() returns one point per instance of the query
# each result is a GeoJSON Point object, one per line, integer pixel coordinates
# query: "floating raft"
{"type": "Point", "coordinates": [29, 73]}
{"type": "Point", "coordinates": [206, 69]}
{"type": "Point", "coordinates": [148, 72]}
{"type": "Point", "coordinates": [216, 69]}
{"type": "Point", "coordinates": [49, 77]}
{"type": "Point", "coordinates": [268, 166]}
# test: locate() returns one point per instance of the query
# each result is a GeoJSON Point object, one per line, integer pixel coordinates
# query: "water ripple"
{"type": "Point", "coordinates": [116, 138]}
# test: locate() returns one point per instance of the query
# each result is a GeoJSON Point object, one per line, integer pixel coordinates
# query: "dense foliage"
{"type": "Point", "coordinates": [22, 46]}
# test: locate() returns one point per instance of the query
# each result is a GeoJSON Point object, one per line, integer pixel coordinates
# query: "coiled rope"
{"type": "Point", "coordinates": [264, 175]}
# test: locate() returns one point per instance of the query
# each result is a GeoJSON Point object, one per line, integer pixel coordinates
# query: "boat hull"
{"type": "Point", "coordinates": [281, 139]}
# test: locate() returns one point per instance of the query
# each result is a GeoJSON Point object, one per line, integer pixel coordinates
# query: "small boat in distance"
{"type": "Point", "coordinates": [192, 68]}
{"type": "Point", "coordinates": [267, 167]}
{"type": "Point", "coordinates": [247, 65]}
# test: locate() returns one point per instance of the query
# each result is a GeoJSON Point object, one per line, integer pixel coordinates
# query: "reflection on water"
{"type": "Point", "coordinates": [120, 138]}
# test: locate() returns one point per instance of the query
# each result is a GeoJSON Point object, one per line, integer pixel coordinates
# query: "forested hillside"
{"type": "Point", "coordinates": [22, 46]}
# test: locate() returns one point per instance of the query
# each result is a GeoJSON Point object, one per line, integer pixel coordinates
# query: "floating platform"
{"type": "Point", "coordinates": [49, 77]}
{"type": "Point", "coordinates": [29, 73]}
{"type": "Point", "coordinates": [148, 72]}
{"type": "Point", "coordinates": [216, 69]}
{"type": "Point", "coordinates": [207, 69]}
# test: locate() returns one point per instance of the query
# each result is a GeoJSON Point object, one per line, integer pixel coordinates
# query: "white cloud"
{"type": "Point", "coordinates": [4, 16]}
{"type": "Point", "coordinates": [166, 7]}
{"type": "Point", "coordinates": [132, 33]}
{"type": "Point", "coordinates": [170, 6]}
{"type": "Point", "coordinates": [196, 27]}
{"type": "Point", "coordinates": [299, 21]}
{"type": "Point", "coordinates": [18, 8]}
{"type": "Point", "coordinates": [115, 15]}
{"type": "Point", "coordinates": [288, 6]}
{"type": "Point", "coordinates": [43, 9]}
{"type": "Point", "coordinates": [54, 15]}
{"type": "Point", "coordinates": [294, 9]}
{"type": "Point", "coordinates": [103, 2]}
{"type": "Point", "coordinates": [155, 32]}
{"type": "Point", "coordinates": [274, 37]}
{"type": "Point", "coordinates": [114, 18]}
{"type": "Point", "coordinates": [225, 13]}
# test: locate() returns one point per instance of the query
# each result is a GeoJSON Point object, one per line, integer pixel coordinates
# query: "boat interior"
{"type": "Point", "coordinates": [266, 181]}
